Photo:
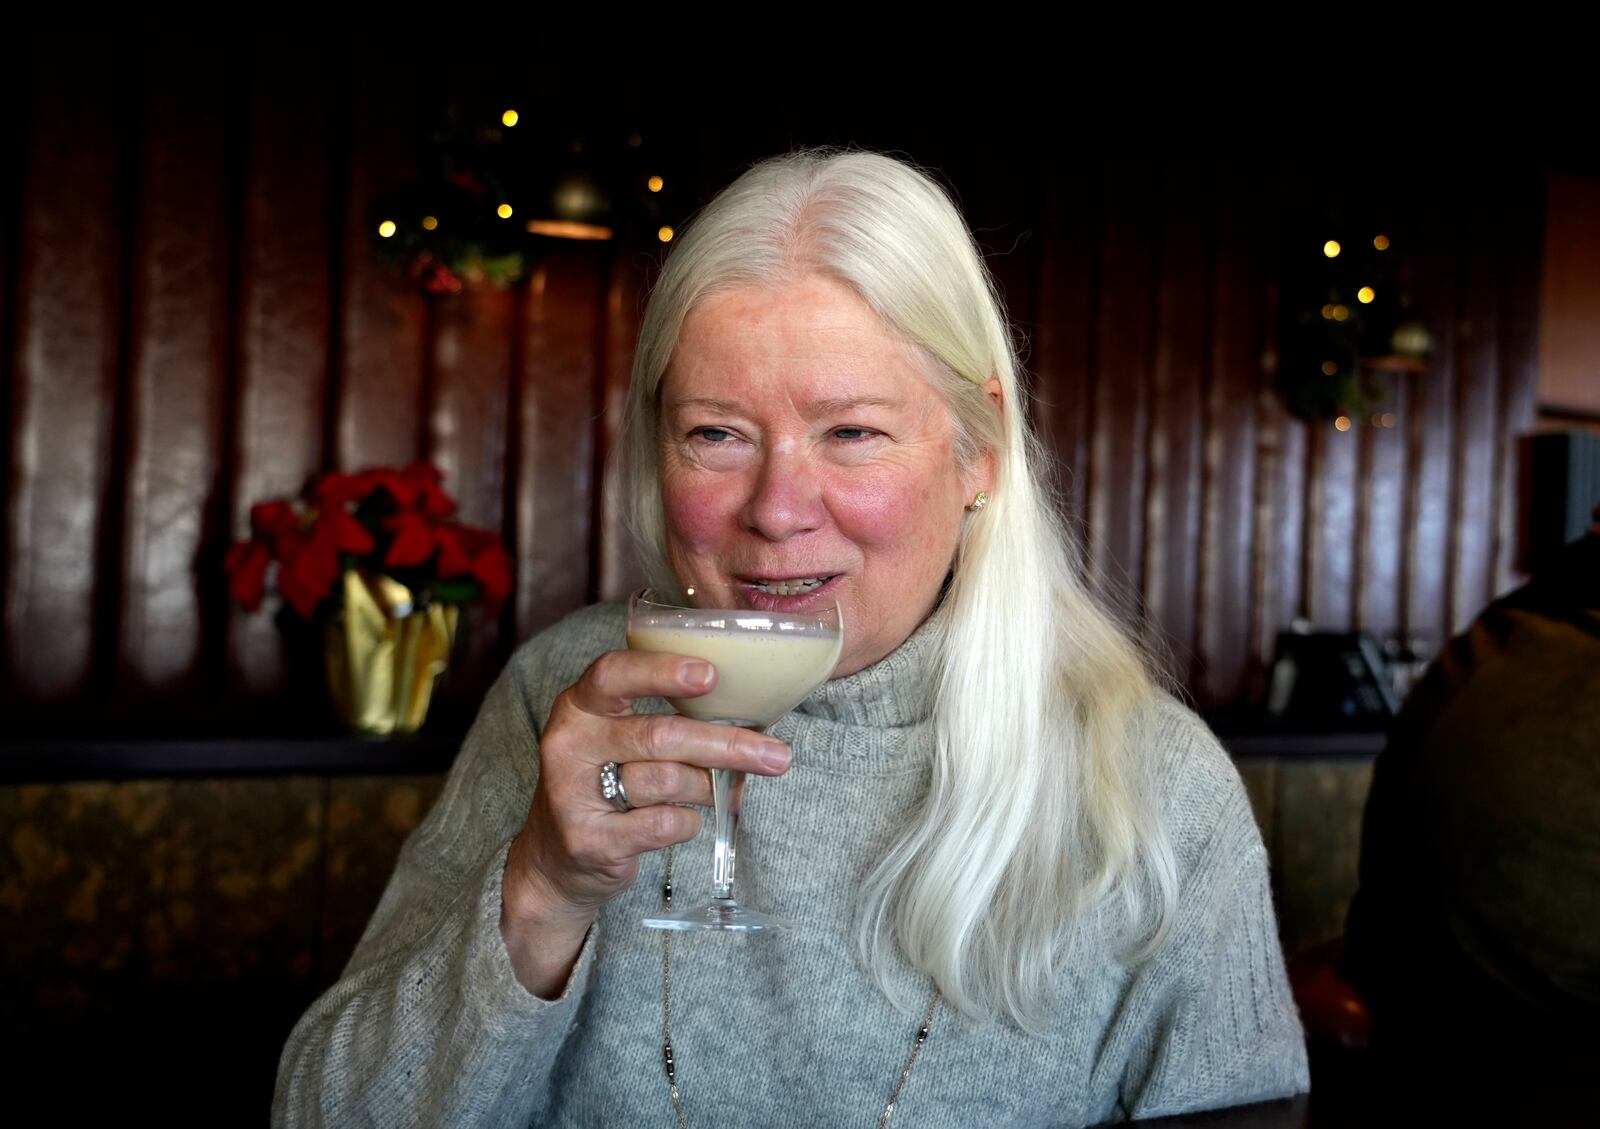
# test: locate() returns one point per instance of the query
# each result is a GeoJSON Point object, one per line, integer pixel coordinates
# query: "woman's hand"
{"type": "Point", "coordinates": [576, 851]}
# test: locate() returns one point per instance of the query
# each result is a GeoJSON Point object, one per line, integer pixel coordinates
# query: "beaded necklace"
{"type": "Point", "coordinates": [666, 1023]}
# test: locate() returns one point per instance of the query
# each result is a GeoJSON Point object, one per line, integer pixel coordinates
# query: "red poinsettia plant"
{"type": "Point", "coordinates": [396, 522]}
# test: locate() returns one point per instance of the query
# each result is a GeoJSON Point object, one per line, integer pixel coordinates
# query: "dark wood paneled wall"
{"type": "Point", "coordinates": [192, 319]}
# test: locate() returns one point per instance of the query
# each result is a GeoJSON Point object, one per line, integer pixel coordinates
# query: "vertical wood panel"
{"type": "Point", "coordinates": [625, 294]}
{"type": "Point", "coordinates": [1063, 349]}
{"type": "Point", "coordinates": [1008, 230]}
{"type": "Point", "coordinates": [1431, 435]}
{"type": "Point", "coordinates": [1382, 459]}
{"type": "Point", "coordinates": [1122, 376]}
{"type": "Point", "coordinates": [1477, 433]}
{"type": "Point", "coordinates": [178, 343]}
{"type": "Point", "coordinates": [1384, 537]}
{"type": "Point", "coordinates": [468, 378]}
{"type": "Point", "coordinates": [556, 436]}
{"type": "Point", "coordinates": [380, 379]}
{"type": "Point", "coordinates": [14, 88]}
{"type": "Point", "coordinates": [1519, 359]}
{"type": "Point", "coordinates": [1327, 552]}
{"type": "Point", "coordinates": [1229, 517]}
{"type": "Point", "coordinates": [294, 172]}
{"type": "Point", "coordinates": [467, 440]}
{"type": "Point", "coordinates": [1331, 525]}
{"type": "Point", "coordinates": [1285, 441]}
{"type": "Point", "coordinates": [1182, 332]}
{"type": "Point", "coordinates": [467, 426]}
{"type": "Point", "coordinates": [68, 326]}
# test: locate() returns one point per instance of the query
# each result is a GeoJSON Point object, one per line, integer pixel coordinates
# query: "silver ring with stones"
{"type": "Point", "coordinates": [611, 786]}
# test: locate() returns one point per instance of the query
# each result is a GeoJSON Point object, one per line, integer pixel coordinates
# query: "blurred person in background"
{"type": "Point", "coordinates": [1475, 935]}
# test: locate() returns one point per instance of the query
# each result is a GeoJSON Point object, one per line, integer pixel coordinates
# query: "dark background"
{"type": "Point", "coordinates": [192, 319]}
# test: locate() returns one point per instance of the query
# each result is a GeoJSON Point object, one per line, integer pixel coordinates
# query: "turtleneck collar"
{"type": "Point", "coordinates": [875, 722]}
{"type": "Point", "coordinates": [894, 692]}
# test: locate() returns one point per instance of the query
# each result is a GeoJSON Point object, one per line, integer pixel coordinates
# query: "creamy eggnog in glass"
{"type": "Point", "coordinates": [767, 663]}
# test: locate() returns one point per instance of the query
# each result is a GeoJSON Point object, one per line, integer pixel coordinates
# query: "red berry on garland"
{"type": "Point", "coordinates": [440, 279]}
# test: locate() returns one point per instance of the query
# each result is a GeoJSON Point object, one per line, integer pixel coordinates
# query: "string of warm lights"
{"type": "Point", "coordinates": [387, 228]}
{"type": "Point", "coordinates": [493, 190]}
{"type": "Point", "coordinates": [1348, 328]}
{"type": "Point", "coordinates": [1379, 419]}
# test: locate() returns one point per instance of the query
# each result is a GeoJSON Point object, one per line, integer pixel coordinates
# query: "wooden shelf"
{"type": "Point", "coordinates": [48, 760]}
{"type": "Point", "coordinates": [1251, 733]}
{"type": "Point", "coordinates": [1352, 745]}
{"type": "Point", "coordinates": [104, 758]}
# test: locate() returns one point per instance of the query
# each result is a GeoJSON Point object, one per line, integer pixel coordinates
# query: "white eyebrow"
{"type": "Point", "coordinates": [833, 405]}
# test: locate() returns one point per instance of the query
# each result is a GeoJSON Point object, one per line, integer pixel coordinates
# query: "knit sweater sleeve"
{"type": "Point", "coordinates": [429, 1025]}
{"type": "Point", "coordinates": [1218, 1024]}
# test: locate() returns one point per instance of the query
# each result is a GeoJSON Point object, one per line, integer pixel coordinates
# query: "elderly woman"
{"type": "Point", "coordinates": [1031, 888]}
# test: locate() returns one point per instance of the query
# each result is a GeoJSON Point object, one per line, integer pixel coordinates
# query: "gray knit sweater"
{"type": "Point", "coordinates": [430, 1027]}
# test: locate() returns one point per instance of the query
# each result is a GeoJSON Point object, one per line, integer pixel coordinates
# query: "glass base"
{"type": "Point", "coordinates": [723, 915]}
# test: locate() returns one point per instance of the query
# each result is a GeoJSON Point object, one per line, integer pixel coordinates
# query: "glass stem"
{"type": "Point", "coordinates": [725, 827]}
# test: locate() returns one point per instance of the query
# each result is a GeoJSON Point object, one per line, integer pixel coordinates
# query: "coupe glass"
{"type": "Point", "coordinates": [767, 663]}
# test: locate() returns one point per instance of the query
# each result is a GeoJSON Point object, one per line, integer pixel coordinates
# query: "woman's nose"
{"type": "Point", "coordinates": [785, 497]}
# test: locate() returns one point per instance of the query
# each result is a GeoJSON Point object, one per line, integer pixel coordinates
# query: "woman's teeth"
{"type": "Point", "coordinates": [789, 587]}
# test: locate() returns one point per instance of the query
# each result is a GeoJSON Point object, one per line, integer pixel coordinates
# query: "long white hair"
{"type": "Point", "coordinates": [1040, 809]}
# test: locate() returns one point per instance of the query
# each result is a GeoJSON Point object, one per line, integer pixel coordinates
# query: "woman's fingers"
{"type": "Point", "coordinates": [668, 782]}
{"type": "Point", "coordinates": [615, 679]}
{"type": "Point", "coordinates": [596, 857]}
{"type": "Point", "coordinates": [585, 741]}
{"type": "Point", "coordinates": [652, 828]}
{"type": "Point", "coordinates": [669, 737]}
{"type": "Point", "coordinates": [665, 782]}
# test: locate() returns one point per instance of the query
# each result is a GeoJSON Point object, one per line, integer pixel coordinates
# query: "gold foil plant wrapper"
{"type": "Point", "coordinates": [384, 654]}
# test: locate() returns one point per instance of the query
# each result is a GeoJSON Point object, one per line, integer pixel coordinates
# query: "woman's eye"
{"type": "Point", "coordinates": [713, 434]}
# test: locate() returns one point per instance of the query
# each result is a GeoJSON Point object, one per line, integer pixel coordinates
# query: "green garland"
{"type": "Point", "coordinates": [474, 217]}
{"type": "Point", "coordinates": [1349, 323]}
